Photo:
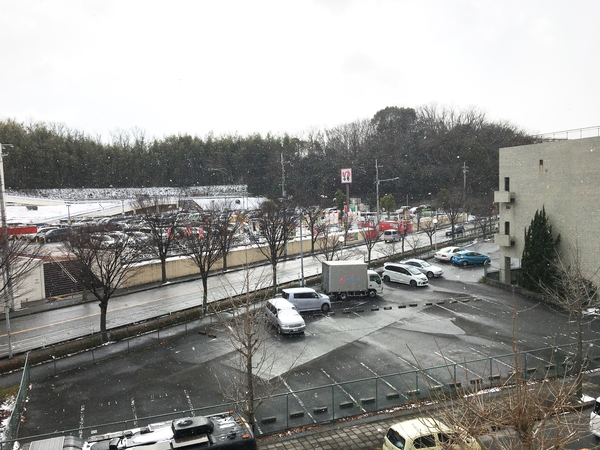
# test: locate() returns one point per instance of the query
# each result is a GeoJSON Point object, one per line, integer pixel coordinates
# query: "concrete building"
{"type": "Point", "coordinates": [562, 176]}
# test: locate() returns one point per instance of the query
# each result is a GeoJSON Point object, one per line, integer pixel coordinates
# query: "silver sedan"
{"type": "Point", "coordinates": [424, 267]}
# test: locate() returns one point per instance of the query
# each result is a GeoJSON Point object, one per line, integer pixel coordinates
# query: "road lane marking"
{"type": "Point", "coordinates": [81, 411]}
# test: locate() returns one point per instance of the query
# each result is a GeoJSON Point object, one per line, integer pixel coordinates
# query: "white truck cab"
{"type": "Point", "coordinates": [595, 419]}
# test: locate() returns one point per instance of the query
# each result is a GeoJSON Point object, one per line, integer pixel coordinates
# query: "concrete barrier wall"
{"type": "Point", "coordinates": [150, 272]}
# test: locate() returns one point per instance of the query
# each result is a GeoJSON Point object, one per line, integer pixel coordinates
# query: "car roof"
{"type": "Point", "coordinates": [415, 428]}
{"type": "Point", "coordinates": [447, 249]}
{"type": "Point", "coordinates": [281, 303]}
{"type": "Point", "coordinates": [412, 259]}
{"type": "Point", "coordinates": [298, 289]}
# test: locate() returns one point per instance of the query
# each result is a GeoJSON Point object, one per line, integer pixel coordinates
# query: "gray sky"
{"type": "Point", "coordinates": [245, 66]}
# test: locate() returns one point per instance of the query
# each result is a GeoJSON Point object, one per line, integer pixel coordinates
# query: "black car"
{"type": "Point", "coordinates": [56, 235]}
{"type": "Point", "coordinates": [458, 229]}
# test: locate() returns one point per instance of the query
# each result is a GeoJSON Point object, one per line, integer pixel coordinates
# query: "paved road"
{"type": "Point", "coordinates": [39, 330]}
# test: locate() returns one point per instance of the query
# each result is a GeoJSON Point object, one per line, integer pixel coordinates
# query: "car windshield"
{"type": "Point", "coordinates": [425, 264]}
{"type": "Point", "coordinates": [413, 270]}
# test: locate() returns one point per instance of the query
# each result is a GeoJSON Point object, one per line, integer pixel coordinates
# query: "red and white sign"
{"type": "Point", "coordinates": [346, 176]}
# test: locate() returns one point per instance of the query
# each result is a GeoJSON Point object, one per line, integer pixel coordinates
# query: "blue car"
{"type": "Point", "coordinates": [467, 257]}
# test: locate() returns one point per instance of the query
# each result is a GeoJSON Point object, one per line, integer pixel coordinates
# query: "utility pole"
{"type": "Point", "coordinates": [377, 181]}
{"type": "Point", "coordinates": [282, 177]}
{"type": "Point", "coordinates": [465, 169]}
{"type": "Point", "coordinates": [9, 299]}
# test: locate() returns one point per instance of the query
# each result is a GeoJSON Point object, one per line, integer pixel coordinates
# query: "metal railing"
{"type": "Point", "coordinates": [12, 426]}
{"type": "Point", "coordinates": [577, 133]}
{"type": "Point", "coordinates": [334, 401]}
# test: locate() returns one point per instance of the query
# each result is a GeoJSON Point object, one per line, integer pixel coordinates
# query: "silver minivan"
{"type": "Point", "coordinates": [391, 236]}
{"type": "Point", "coordinates": [284, 316]}
{"type": "Point", "coordinates": [307, 299]}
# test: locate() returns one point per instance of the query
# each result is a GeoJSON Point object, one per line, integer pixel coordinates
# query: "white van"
{"type": "Point", "coordinates": [391, 236]}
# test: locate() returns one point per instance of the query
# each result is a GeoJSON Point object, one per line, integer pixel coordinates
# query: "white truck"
{"type": "Point", "coordinates": [343, 279]}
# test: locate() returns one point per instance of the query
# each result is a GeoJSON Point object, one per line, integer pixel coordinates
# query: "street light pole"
{"type": "Point", "coordinates": [435, 221]}
{"type": "Point", "coordinates": [301, 252]}
{"type": "Point", "coordinates": [377, 181]}
{"type": "Point", "coordinates": [9, 300]}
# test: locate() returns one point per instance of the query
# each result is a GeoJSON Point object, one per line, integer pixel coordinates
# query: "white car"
{"type": "Point", "coordinates": [447, 253]}
{"type": "Point", "coordinates": [307, 299]}
{"type": "Point", "coordinates": [284, 316]}
{"type": "Point", "coordinates": [401, 273]}
{"type": "Point", "coordinates": [424, 267]}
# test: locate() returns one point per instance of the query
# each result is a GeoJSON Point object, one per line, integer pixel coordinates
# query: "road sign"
{"type": "Point", "coordinates": [346, 176]}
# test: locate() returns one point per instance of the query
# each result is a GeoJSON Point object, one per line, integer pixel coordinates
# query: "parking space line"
{"type": "Point", "coordinates": [189, 402]}
{"type": "Point", "coordinates": [81, 411]}
{"type": "Point", "coordinates": [299, 401]}
{"type": "Point", "coordinates": [438, 382]}
{"type": "Point", "coordinates": [380, 378]}
{"type": "Point", "coordinates": [135, 417]}
{"type": "Point", "coordinates": [344, 390]}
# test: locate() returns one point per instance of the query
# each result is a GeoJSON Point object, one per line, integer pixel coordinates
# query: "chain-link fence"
{"type": "Point", "coordinates": [324, 404]}
{"type": "Point", "coordinates": [12, 426]}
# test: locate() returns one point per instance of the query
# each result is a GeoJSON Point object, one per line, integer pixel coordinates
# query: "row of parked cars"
{"type": "Point", "coordinates": [283, 312]}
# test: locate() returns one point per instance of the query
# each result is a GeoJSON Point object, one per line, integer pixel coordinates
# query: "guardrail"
{"type": "Point", "coordinates": [335, 401]}
{"type": "Point", "coordinates": [12, 426]}
{"type": "Point", "coordinates": [576, 133]}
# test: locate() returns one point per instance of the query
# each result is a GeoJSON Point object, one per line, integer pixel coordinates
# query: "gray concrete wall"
{"type": "Point", "coordinates": [563, 177]}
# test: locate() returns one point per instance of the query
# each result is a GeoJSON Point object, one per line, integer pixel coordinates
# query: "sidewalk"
{"type": "Point", "coordinates": [365, 433]}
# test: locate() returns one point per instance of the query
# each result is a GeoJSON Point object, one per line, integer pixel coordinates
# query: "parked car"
{"type": "Point", "coordinates": [56, 235]}
{"type": "Point", "coordinates": [467, 257]}
{"type": "Point", "coordinates": [447, 253]}
{"type": "Point", "coordinates": [391, 236]}
{"type": "Point", "coordinates": [39, 235]}
{"type": "Point", "coordinates": [284, 316]}
{"type": "Point", "coordinates": [458, 229]}
{"type": "Point", "coordinates": [400, 273]}
{"type": "Point", "coordinates": [307, 299]}
{"type": "Point", "coordinates": [424, 267]}
{"type": "Point", "coordinates": [426, 433]}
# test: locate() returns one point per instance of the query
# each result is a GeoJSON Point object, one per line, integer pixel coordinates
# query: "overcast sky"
{"type": "Point", "coordinates": [247, 66]}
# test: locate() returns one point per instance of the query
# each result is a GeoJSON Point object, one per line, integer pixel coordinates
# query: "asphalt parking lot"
{"type": "Point", "coordinates": [455, 319]}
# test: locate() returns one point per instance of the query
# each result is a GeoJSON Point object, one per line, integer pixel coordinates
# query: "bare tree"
{"type": "Point", "coordinates": [452, 204]}
{"type": "Point", "coordinates": [429, 228]}
{"type": "Point", "coordinates": [519, 414]}
{"type": "Point", "coordinates": [161, 216]}
{"type": "Point", "coordinates": [242, 319]}
{"type": "Point", "coordinates": [573, 291]}
{"type": "Point", "coordinates": [370, 237]}
{"type": "Point", "coordinates": [102, 270]}
{"type": "Point", "coordinates": [275, 221]}
{"type": "Point", "coordinates": [328, 242]}
{"type": "Point", "coordinates": [312, 217]}
{"type": "Point", "coordinates": [228, 227]}
{"type": "Point", "coordinates": [204, 246]}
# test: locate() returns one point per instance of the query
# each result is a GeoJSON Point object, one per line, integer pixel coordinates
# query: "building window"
{"type": "Point", "coordinates": [507, 228]}
{"type": "Point", "coordinates": [507, 184]}
{"type": "Point", "coordinates": [541, 162]}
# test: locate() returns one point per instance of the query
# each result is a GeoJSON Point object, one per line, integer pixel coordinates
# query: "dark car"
{"type": "Point", "coordinates": [458, 229]}
{"type": "Point", "coordinates": [57, 235]}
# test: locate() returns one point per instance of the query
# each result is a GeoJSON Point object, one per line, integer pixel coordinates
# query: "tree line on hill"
{"type": "Point", "coordinates": [426, 148]}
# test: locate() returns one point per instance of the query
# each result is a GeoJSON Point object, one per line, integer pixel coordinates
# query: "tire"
{"type": "Point", "coordinates": [279, 330]}
{"type": "Point", "coordinates": [372, 293]}
{"type": "Point", "coordinates": [465, 263]}
{"type": "Point", "coordinates": [343, 296]}
{"type": "Point", "coordinates": [487, 262]}
{"type": "Point", "coordinates": [386, 279]}
{"type": "Point", "coordinates": [413, 283]}
{"type": "Point", "coordinates": [429, 274]}
{"type": "Point", "coordinates": [325, 307]}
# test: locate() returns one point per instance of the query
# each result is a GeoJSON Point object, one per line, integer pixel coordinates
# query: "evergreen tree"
{"type": "Point", "coordinates": [539, 252]}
